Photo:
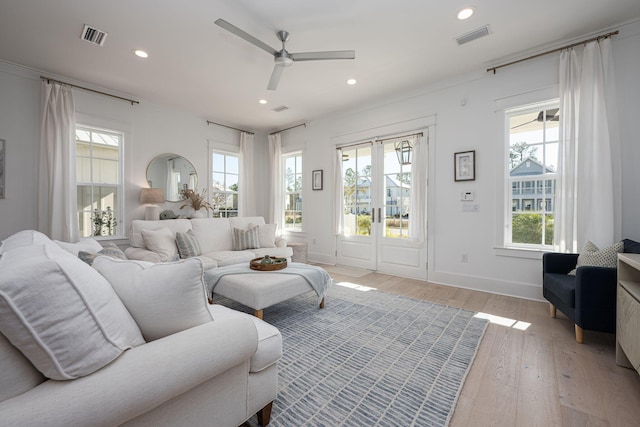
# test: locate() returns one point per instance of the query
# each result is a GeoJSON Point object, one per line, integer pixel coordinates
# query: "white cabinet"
{"type": "Point", "coordinates": [628, 312]}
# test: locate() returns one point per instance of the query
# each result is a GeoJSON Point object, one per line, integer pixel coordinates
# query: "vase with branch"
{"type": "Point", "coordinates": [197, 201]}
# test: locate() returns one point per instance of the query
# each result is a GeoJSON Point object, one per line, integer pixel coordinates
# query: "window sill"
{"type": "Point", "coordinates": [527, 253]}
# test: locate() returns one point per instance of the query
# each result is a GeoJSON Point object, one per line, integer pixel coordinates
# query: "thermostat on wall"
{"type": "Point", "coordinates": [466, 196]}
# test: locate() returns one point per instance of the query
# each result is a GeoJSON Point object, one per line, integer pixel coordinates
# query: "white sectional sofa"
{"type": "Point", "coordinates": [124, 343]}
{"type": "Point", "coordinates": [214, 235]}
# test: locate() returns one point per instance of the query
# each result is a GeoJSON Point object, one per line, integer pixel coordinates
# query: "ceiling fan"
{"type": "Point", "coordinates": [283, 58]}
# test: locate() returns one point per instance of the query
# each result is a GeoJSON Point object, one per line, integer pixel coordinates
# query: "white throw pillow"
{"type": "Point", "coordinates": [23, 238]}
{"type": "Point", "coordinates": [162, 298]}
{"type": "Point", "coordinates": [63, 315]}
{"type": "Point", "coordinates": [85, 244]}
{"type": "Point", "coordinates": [266, 234]}
{"type": "Point", "coordinates": [162, 242]}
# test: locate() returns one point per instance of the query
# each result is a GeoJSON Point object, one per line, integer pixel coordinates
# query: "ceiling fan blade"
{"type": "Point", "coordinates": [244, 35]}
{"type": "Point", "coordinates": [319, 56]}
{"type": "Point", "coordinates": [275, 78]}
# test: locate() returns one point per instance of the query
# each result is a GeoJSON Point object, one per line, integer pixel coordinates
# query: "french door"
{"type": "Point", "coordinates": [376, 207]}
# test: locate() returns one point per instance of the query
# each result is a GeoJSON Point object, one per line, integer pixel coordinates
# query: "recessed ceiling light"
{"type": "Point", "coordinates": [141, 53]}
{"type": "Point", "coordinates": [465, 13]}
{"type": "Point", "coordinates": [352, 82]}
{"type": "Point", "coordinates": [262, 101]}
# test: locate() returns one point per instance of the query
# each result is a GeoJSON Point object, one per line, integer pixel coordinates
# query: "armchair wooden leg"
{"type": "Point", "coordinates": [264, 414]}
{"type": "Point", "coordinates": [579, 334]}
{"type": "Point", "coordinates": [552, 310]}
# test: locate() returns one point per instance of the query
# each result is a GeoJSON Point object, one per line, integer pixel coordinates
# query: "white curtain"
{"type": "Point", "coordinates": [338, 190]}
{"type": "Point", "coordinates": [275, 199]}
{"type": "Point", "coordinates": [246, 182]}
{"type": "Point", "coordinates": [57, 192]}
{"type": "Point", "coordinates": [417, 195]}
{"type": "Point", "coordinates": [588, 189]}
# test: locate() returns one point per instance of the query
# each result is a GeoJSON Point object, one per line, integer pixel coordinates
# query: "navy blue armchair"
{"type": "Point", "coordinates": [588, 299]}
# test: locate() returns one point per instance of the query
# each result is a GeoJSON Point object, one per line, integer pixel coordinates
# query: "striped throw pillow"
{"type": "Point", "coordinates": [188, 245]}
{"type": "Point", "coordinates": [246, 239]}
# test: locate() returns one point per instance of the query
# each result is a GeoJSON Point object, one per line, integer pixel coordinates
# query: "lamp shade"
{"type": "Point", "coordinates": [151, 195]}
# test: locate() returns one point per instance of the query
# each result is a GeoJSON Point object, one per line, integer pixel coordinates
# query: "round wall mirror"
{"type": "Point", "coordinates": [172, 173]}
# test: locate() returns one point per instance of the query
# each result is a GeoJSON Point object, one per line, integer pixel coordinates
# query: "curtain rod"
{"type": "Point", "coordinates": [292, 127]}
{"type": "Point", "coordinates": [209, 122]}
{"type": "Point", "coordinates": [604, 36]}
{"type": "Point", "coordinates": [49, 80]}
{"type": "Point", "coordinates": [379, 140]}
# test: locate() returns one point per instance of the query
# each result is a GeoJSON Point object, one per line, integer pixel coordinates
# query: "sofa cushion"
{"type": "Point", "coordinates": [224, 258]}
{"type": "Point", "coordinates": [269, 338]}
{"type": "Point", "coordinates": [562, 286]}
{"type": "Point", "coordinates": [17, 374]}
{"type": "Point", "coordinates": [631, 247]}
{"type": "Point", "coordinates": [266, 234]}
{"type": "Point", "coordinates": [109, 249]}
{"type": "Point", "coordinates": [162, 298]}
{"type": "Point", "coordinates": [188, 245]}
{"type": "Point", "coordinates": [86, 244]}
{"type": "Point", "coordinates": [592, 256]}
{"type": "Point", "coordinates": [162, 242]}
{"type": "Point", "coordinates": [61, 313]}
{"type": "Point", "coordinates": [214, 234]}
{"type": "Point", "coordinates": [245, 239]}
{"type": "Point", "coordinates": [23, 238]}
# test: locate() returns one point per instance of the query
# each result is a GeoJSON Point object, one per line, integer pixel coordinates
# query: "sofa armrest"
{"type": "Point", "coordinates": [280, 242]}
{"type": "Point", "coordinates": [557, 262]}
{"type": "Point", "coordinates": [596, 298]}
{"type": "Point", "coordinates": [141, 379]}
{"type": "Point", "coordinates": [141, 254]}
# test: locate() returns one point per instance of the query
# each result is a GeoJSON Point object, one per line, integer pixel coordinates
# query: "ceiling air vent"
{"type": "Point", "coordinates": [280, 109]}
{"type": "Point", "coordinates": [93, 35]}
{"type": "Point", "coordinates": [475, 34]}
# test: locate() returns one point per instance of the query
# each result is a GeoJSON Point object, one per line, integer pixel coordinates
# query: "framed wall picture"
{"type": "Point", "coordinates": [2, 163]}
{"type": "Point", "coordinates": [464, 165]}
{"type": "Point", "coordinates": [316, 180]}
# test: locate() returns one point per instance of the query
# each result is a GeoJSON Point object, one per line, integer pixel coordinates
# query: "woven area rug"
{"type": "Point", "coordinates": [369, 358]}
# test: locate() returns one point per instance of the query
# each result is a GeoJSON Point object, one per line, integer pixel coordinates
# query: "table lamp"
{"type": "Point", "coordinates": [149, 197]}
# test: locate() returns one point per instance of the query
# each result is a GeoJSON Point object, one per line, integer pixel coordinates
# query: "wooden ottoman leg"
{"type": "Point", "coordinates": [322, 303]}
{"type": "Point", "coordinates": [264, 414]}
{"type": "Point", "coordinates": [258, 314]}
{"type": "Point", "coordinates": [552, 310]}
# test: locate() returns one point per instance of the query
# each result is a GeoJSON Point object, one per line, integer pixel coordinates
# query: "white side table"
{"type": "Point", "coordinates": [299, 251]}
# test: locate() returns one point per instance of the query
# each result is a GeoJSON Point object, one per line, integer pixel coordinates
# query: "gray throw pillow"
{"type": "Point", "coordinates": [592, 256]}
{"type": "Point", "coordinates": [188, 245]}
{"type": "Point", "coordinates": [110, 250]}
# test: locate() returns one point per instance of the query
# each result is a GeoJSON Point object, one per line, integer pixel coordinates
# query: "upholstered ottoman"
{"type": "Point", "coordinates": [262, 290]}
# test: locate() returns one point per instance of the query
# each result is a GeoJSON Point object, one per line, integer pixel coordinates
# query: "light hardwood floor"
{"type": "Point", "coordinates": [533, 376]}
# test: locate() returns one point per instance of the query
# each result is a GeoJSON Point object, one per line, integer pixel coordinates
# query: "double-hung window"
{"type": "Point", "coordinates": [532, 143]}
{"type": "Point", "coordinates": [225, 168]}
{"type": "Point", "coordinates": [99, 181]}
{"type": "Point", "coordinates": [292, 180]}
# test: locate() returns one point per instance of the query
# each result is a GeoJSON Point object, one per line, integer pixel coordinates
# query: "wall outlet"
{"type": "Point", "coordinates": [464, 258]}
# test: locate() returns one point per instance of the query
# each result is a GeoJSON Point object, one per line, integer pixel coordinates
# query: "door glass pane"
{"type": "Point", "coordinates": [356, 181]}
{"type": "Point", "coordinates": [397, 189]}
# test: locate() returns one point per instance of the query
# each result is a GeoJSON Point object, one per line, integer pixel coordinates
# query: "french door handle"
{"type": "Point", "coordinates": [373, 215]}
{"type": "Point", "coordinates": [379, 215]}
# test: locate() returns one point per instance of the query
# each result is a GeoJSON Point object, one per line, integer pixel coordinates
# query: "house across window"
{"type": "Point", "coordinates": [532, 147]}
{"type": "Point", "coordinates": [98, 181]}
{"type": "Point", "coordinates": [224, 185]}
{"type": "Point", "coordinates": [292, 179]}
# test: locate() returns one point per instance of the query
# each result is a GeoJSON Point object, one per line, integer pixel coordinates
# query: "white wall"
{"type": "Point", "coordinates": [466, 118]}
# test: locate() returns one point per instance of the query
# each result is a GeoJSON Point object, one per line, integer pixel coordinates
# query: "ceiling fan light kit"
{"type": "Point", "coordinates": [282, 58]}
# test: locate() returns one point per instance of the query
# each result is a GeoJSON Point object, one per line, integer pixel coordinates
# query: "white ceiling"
{"type": "Point", "coordinates": [194, 65]}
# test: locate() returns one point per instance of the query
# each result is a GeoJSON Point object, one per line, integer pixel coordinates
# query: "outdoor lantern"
{"type": "Point", "coordinates": [403, 151]}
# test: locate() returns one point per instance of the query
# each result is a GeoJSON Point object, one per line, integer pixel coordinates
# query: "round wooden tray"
{"type": "Point", "coordinates": [279, 264]}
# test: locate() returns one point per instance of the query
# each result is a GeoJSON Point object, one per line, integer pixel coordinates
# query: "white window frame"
{"type": "Point", "coordinates": [119, 212]}
{"type": "Point", "coordinates": [210, 192]}
{"type": "Point", "coordinates": [286, 194]}
{"type": "Point", "coordinates": [509, 180]}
